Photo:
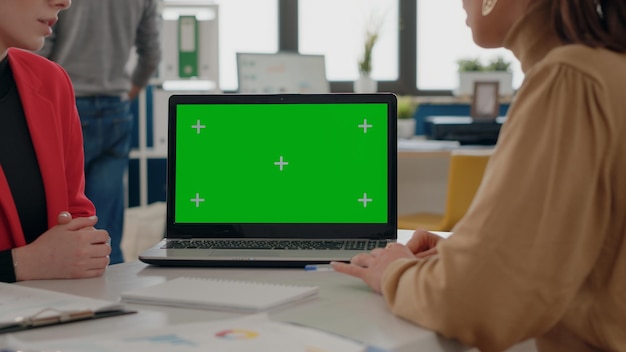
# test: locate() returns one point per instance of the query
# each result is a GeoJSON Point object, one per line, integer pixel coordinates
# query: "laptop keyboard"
{"type": "Point", "coordinates": [360, 245]}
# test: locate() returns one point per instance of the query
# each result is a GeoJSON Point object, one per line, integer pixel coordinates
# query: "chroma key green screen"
{"type": "Point", "coordinates": [281, 163]}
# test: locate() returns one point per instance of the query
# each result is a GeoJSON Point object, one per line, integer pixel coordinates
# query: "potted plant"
{"type": "Point", "coordinates": [365, 83]}
{"type": "Point", "coordinates": [365, 63]}
{"type": "Point", "coordinates": [472, 70]}
{"type": "Point", "coordinates": [470, 65]}
{"type": "Point", "coordinates": [406, 116]}
{"type": "Point", "coordinates": [499, 64]}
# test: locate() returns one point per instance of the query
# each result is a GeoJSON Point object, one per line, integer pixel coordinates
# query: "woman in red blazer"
{"type": "Point", "coordinates": [46, 222]}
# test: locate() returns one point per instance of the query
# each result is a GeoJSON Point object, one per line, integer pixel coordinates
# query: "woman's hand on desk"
{"type": "Point", "coordinates": [371, 266]}
{"type": "Point", "coordinates": [70, 250]}
{"type": "Point", "coordinates": [423, 243]}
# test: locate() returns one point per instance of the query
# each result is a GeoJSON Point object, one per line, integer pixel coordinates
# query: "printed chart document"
{"type": "Point", "coordinates": [24, 308]}
{"type": "Point", "coordinates": [248, 333]}
{"type": "Point", "coordinates": [225, 295]}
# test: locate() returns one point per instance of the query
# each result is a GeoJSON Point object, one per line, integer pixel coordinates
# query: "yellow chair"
{"type": "Point", "coordinates": [464, 176]}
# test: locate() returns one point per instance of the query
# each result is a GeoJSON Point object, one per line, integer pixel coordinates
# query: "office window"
{"type": "Point", "coordinates": [245, 26]}
{"type": "Point", "coordinates": [336, 29]}
{"type": "Point", "coordinates": [442, 39]}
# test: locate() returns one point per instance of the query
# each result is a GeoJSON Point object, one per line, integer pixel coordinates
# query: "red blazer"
{"type": "Point", "coordinates": [50, 108]}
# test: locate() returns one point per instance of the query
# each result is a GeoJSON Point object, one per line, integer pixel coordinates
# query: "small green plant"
{"type": "Point", "coordinates": [470, 65]}
{"type": "Point", "coordinates": [373, 28]}
{"type": "Point", "coordinates": [474, 65]}
{"type": "Point", "coordinates": [499, 64]}
{"type": "Point", "coordinates": [365, 64]}
{"type": "Point", "coordinates": [406, 107]}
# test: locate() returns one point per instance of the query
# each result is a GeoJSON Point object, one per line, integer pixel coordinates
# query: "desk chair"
{"type": "Point", "coordinates": [464, 176]}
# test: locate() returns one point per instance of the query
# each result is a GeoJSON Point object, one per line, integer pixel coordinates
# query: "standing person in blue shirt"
{"type": "Point", "coordinates": [93, 42]}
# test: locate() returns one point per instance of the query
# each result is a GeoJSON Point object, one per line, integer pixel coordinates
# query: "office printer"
{"type": "Point", "coordinates": [466, 130]}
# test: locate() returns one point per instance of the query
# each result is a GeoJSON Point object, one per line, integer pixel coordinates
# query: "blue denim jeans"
{"type": "Point", "coordinates": [107, 128]}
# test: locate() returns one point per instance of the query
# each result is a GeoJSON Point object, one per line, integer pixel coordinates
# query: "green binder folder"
{"type": "Point", "coordinates": [187, 46]}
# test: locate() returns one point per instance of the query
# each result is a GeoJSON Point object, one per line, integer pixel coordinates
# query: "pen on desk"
{"type": "Point", "coordinates": [318, 267]}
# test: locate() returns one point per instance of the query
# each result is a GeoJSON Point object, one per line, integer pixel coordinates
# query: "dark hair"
{"type": "Point", "coordinates": [595, 23]}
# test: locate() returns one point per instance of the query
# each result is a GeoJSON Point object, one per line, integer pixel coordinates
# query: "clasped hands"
{"type": "Point", "coordinates": [371, 266]}
{"type": "Point", "coordinates": [73, 248]}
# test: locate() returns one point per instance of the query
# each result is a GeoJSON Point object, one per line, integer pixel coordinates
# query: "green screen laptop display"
{"type": "Point", "coordinates": [289, 160]}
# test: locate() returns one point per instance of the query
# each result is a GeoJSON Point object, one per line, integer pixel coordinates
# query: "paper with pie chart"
{"type": "Point", "coordinates": [249, 333]}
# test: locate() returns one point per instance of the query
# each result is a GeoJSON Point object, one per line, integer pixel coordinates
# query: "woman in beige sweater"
{"type": "Point", "coordinates": [541, 253]}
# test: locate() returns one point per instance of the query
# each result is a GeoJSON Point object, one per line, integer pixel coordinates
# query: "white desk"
{"type": "Point", "coordinates": [345, 306]}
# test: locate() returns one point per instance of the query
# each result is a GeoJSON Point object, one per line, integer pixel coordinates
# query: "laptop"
{"type": "Point", "coordinates": [278, 180]}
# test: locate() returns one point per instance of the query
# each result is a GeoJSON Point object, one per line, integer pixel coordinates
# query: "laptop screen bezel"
{"type": "Point", "coordinates": [386, 230]}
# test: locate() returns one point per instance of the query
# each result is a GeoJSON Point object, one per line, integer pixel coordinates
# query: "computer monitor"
{"type": "Point", "coordinates": [282, 72]}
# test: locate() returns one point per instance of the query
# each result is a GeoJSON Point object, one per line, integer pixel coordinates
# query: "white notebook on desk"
{"type": "Point", "coordinates": [216, 294]}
